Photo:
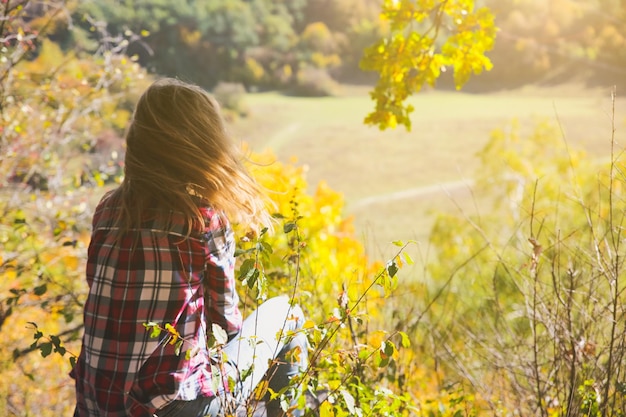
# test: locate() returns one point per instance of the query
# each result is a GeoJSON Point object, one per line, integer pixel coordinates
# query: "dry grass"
{"type": "Point", "coordinates": [368, 166]}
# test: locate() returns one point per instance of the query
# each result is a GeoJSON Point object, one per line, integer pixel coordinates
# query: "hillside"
{"type": "Point", "coordinates": [394, 180]}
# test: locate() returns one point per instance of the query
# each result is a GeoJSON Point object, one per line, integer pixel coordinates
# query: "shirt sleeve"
{"type": "Point", "coordinates": [222, 301]}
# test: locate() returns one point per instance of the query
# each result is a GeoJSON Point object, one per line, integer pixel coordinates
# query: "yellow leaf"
{"type": "Point", "coordinates": [9, 275]}
{"type": "Point", "coordinates": [70, 262]}
{"type": "Point", "coordinates": [376, 338]}
{"type": "Point", "coordinates": [326, 410]}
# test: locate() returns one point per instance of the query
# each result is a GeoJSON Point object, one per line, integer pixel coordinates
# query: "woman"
{"type": "Point", "coordinates": [161, 256]}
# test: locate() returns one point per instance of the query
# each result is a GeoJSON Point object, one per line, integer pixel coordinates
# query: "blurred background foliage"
{"type": "Point", "coordinates": [516, 311]}
{"type": "Point", "coordinates": [264, 44]}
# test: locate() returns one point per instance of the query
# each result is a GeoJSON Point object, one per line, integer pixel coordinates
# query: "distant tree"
{"type": "Point", "coordinates": [557, 41]}
{"type": "Point", "coordinates": [339, 15]}
{"type": "Point", "coordinates": [206, 42]}
{"type": "Point", "coordinates": [608, 42]}
{"type": "Point", "coordinates": [319, 47]}
{"type": "Point", "coordinates": [541, 41]}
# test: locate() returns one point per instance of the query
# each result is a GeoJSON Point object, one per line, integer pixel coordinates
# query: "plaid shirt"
{"type": "Point", "coordinates": [152, 274]}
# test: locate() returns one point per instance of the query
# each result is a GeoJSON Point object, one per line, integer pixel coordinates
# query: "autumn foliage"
{"type": "Point", "coordinates": [519, 310]}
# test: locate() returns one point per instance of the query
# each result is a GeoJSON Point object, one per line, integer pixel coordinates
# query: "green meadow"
{"type": "Point", "coordinates": [395, 181]}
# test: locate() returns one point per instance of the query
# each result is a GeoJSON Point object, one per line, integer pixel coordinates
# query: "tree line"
{"type": "Point", "coordinates": [284, 44]}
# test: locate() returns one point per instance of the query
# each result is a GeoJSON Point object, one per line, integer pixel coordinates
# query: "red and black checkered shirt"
{"type": "Point", "coordinates": [152, 274]}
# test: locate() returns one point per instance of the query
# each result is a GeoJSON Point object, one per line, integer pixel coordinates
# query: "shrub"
{"type": "Point", "coordinates": [314, 82]}
{"type": "Point", "coordinates": [530, 295]}
{"type": "Point", "coordinates": [232, 98]}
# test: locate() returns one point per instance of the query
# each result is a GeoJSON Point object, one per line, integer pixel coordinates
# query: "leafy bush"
{"type": "Point", "coordinates": [62, 114]}
{"type": "Point", "coordinates": [314, 82]}
{"type": "Point", "coordinates": [232, 98]}
{"type": "Point", "coordinates": [530, 295]}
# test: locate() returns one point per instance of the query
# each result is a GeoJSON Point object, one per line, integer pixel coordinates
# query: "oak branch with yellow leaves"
{"type": "Point", "coordinates": [425, 37]}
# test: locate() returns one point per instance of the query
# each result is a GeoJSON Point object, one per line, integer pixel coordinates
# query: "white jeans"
{"type": "Point", "coordinates": [260, 350]}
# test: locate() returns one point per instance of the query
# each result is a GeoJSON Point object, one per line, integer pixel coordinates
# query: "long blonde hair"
{"type": "Point", "coordinates": [178, 151]}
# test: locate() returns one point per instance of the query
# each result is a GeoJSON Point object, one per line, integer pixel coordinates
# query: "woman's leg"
{"type": "Point", "coordinates": [201, 407]}
{"type": "Point", "coordinates": [267, 337]}
{"type": "Point", "coordinates": [291, 361]}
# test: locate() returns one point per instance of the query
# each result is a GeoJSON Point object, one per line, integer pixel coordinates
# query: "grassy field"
{"type": "Point", "coordinates": [393, 181]}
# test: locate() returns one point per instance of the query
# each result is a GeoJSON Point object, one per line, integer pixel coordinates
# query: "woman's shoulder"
{"type": "Point", "coordinates": [157, 218]}
{"type": "Point", "coordinates": [108, 204]}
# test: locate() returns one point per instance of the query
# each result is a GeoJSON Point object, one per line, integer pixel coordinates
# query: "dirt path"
{"type": "Point", "coordinates": [446, 187]}
{"type": "Point", "coordinates": [282, 137]}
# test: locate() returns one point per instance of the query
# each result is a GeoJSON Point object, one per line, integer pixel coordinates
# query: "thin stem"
{"type": "Point", "coordinates": [614, 279]}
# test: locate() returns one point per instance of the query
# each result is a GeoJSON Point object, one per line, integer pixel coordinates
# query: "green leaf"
{"type": "Point", "coordinates": [239, 252]}
{"type": "Point", "coordinates": [388, 348]}
{"type": "Point", "coordinates": [392, 268]}
{"type": "Point", "coordinates": [266, 247]}
{"type": "Point", "coordinates": [55, 340]}
{"type": "Point", "coordinates": [179, 346]}
{"type": "Point", "coordinates": [191, 353]}
{"type": "Point", "coordinates": [68, 315]}
{"type": "Point", "coordinates": [246, 268]}
{"type": "Point", "coordinates": [216, 378]}
{"type": "Point", "coordinates": [155, 329]}
{"type": "Point", "coordinates": [40, 290]}
{"type": "Point", "coordinates": [406, 342]}
{"type": "Point", "coordinates": [407, 258]}
{"type": "Point", "coordinates": [288, 227]}
{"type": "Point", "coordinates": [380, 359]}
{"type": "Point", "coordinates": [252, 279]}
{"type": "Point", "coordinates": [18, 292]}
{"type": "Point", "coordinates": [46, 349]}
{"type": "Point", "coordinates": [246, 372]}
